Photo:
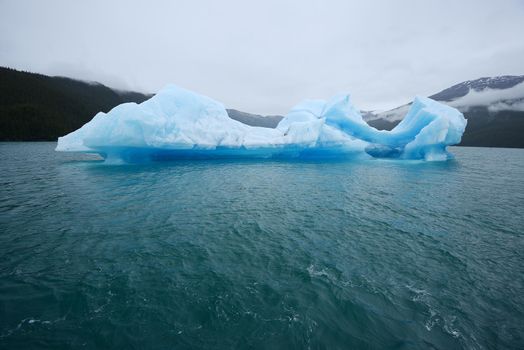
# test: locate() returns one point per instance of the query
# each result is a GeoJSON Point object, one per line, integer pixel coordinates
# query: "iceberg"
{"type": "Point", "coordinates": [178, 123]}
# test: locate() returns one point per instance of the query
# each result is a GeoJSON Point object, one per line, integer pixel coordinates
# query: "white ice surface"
{"type": "Point", "coordinates": [180, 123]}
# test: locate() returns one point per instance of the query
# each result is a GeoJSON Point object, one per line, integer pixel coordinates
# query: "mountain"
{"type": "Point", "coordinates": [460, 90]}
{"type": "Point", "coordinates": [270, 121]}
{"type": "Point", "coordinates": [494, 107]}
{"type": "Point", "coordinates": [35, 107]}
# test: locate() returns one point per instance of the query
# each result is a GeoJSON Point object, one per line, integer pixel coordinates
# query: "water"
{"type": "Point", "coordinates": [261, 254]}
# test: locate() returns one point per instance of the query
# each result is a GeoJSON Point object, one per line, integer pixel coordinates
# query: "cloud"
{"type": "Point", "coordinates": [504, 106]}
{"type": "Point", "coordinates": [496, 99]}
{"type": "Point", "coordinates": [265, 56]}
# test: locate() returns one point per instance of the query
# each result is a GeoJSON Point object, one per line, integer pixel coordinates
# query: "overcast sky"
{"type": "Point", "coordinates": [265, 56]}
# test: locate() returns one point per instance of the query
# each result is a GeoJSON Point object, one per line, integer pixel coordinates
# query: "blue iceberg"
{"type": "Point", "coordinates": [178, 123]}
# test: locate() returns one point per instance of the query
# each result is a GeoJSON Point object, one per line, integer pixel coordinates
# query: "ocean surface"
{"type": "Point", "coordinates": [261, 254]}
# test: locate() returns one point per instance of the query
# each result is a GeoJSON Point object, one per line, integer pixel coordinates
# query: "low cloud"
{"type": "Point", "coordinates": [265, 56]}
{"type": "Point", "coordinates": [495, 99]}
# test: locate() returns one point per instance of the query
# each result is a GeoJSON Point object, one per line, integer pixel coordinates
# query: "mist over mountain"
{"type": "Point", "coordinates": [494, 107]}
{"type": "Point", "coordinates": [35, 107]}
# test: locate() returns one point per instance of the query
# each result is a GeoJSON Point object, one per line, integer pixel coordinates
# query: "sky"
{"type": "Point", "coordinates": [265, 56]}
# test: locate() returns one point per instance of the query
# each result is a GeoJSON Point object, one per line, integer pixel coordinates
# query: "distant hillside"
{"type": "Point", "coordinates": [270, 121]}
{"type": "Point", "coordinates": [493, 106]}
{"type": "Point", "coordinates": [503, 82]}
{"type": "Point", "coordinates": [35, 107]}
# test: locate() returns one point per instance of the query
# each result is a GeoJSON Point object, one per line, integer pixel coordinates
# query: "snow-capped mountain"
{"type": "Point", "coordinates": [493, 83]}
{"type": "Point", "coordinates": [494, 108]}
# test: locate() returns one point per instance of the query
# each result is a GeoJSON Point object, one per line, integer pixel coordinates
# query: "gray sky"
{"type": "Point", "coordinates": [265, 56]}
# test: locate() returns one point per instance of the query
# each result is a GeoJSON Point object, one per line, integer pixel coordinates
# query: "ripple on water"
{"type": "Point", "coordinates": [261, 254]}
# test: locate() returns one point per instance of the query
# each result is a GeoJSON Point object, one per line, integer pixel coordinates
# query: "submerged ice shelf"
{"type": "Point", "coordinates": [178, 123]}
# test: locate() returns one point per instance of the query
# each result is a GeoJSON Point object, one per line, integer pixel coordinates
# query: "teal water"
{"type": "Point", "coordinates": [261, 254]}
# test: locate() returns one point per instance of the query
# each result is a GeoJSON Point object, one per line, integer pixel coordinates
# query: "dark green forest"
{"type": "Point", "coordinates": [35, 107]}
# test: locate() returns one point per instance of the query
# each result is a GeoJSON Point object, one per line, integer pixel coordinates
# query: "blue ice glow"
{"type": "Point", "coordinates": [177, 123]}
